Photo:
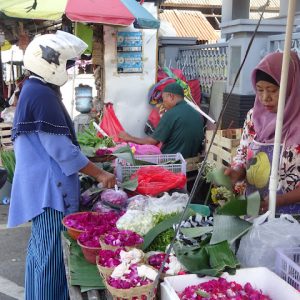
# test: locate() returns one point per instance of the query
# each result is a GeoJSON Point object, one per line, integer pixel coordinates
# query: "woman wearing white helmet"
{"type": "Point", "coordinates": [48, 159]}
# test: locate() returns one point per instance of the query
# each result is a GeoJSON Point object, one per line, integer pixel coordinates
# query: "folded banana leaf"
{"type": "Point", "coordinates": [211, 260]}
{"type": "Point", "coordinates": [228, 228]}
{"type": "Point", "coordinates": [218, 178]}
{"type": "Point", "coordinates": [241, 206]}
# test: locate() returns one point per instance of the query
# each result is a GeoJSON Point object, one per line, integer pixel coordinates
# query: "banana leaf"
{"type": "Point", "coordinates": [125, 153]}
{"type": "Point", "coordinates": [218, 178]}
{"type": "Point", "coordinates": [228, 228]}
{"type": "Point", "coordinates": [192, 258]}
{"type": "Point", "coordinates": [196, 231]}
{"type": "Point", "coordinates": [241, 206]}
{"type": "Point", "coordinates": [209, 260]}
{"type": "Point", "coordinates": [253, 204]}
{"type": "Point", "coordinates": [161, 227]}
{"type": "Point", "coordinates": [129, 185]}
{"type": "Point", "coordinates": [221, 256]}
{"type": "Point", "coordinates": [233, 207]}
{"type": "Point", "coordinates": [200, 209]}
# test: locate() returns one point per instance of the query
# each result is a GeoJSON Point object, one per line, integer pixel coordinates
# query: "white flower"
{"type": "Point", "coordinates": [120, 270]}
{"type": "Point", "coordinates": [145, 271]}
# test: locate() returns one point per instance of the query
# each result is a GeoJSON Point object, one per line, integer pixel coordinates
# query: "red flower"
{"type": "Point", "coordinates": [298, 149]}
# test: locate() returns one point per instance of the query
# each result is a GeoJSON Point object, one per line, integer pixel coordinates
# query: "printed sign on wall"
{"type": "Point", "coordinates": [129, 52]}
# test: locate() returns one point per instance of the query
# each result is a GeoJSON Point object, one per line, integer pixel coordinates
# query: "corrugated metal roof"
{"type": "Point", "coordinates": [188, 23]}
{"type": "Point", "coordinates": [254, 4]}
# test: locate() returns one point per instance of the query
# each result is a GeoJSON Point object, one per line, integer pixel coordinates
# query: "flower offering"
{"type": "Point", "coordinates": [221, 289]}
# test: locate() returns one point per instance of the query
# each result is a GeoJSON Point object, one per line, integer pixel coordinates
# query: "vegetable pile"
{"type": "Point", "coordinates": [221, 289]}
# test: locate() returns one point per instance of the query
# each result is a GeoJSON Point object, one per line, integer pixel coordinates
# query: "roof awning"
{"type": "Point", "coordinates": [112, 12]}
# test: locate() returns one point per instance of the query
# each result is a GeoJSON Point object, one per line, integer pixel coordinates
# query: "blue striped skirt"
{"type": "Point", "coordinates": [45, 277]}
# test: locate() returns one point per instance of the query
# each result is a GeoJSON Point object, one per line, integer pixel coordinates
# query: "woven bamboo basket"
{"type": "Point", "coordinates": [104, 271]}
{"type": "Point", "coordinates": [128, 294]}
{"type": "Point", "coordinates": [105, 246]}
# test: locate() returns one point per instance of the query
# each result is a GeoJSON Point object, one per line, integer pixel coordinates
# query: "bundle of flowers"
{"type": "Point", "coordinates": [87, 221]}
{"type": "Point", "coordinates": [108, 260]}
{"type": "Point", "coordinates": [121, 238]}
{"type": "Point", "coordinates": [171, 267]}
{"type": "Point", "coordinates": [221, 289]}
{"type": "Point", "coordinates": [131, 281]}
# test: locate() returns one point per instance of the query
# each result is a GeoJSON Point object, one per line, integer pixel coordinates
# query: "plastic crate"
{"type": "Point", "coordinates": [124, 169]}
{"type": "Point", "coordinates": [288, 266]}
{"type": "Point", "coordinates": [260, 278]}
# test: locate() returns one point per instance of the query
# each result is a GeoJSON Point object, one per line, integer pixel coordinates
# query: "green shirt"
{"type": "Point", "coordinates": [180, 130]}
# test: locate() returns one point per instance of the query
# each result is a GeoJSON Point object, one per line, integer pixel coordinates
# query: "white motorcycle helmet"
{"type": "Point", "coordinates": [47, 55]}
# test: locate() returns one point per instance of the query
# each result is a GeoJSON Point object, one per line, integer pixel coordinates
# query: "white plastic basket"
{"type": "Point", "coordinates": [124, 169]}
{"type": "Point", "coordinates": [260, 279]}
{"type": "Point", "coordinates": [288, 265]}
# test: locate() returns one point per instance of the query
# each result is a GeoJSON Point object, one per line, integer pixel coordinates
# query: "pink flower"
{"type": "Point", "coordinates": [109, 258]}
{"type": "Point", "coordinates": [128, 280]}
{"type": "Point", "coordinates": [221, 289]}
{"type": "Point", "coordinates": [123, 238]}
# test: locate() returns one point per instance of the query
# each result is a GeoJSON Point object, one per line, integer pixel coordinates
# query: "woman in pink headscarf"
{"type": "Point", "coordinates": [254, 155]}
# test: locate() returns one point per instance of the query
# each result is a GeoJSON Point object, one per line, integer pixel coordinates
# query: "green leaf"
{"type": "Point", "coordinates": [125, 156]}
{"type": "Point", "coordinates": [196, 231]}
{"type": "Point", "coordinates": [130, 185]}
{"type": "Point", "coordinates": [221, 256]}
{"type": "Point", "coordinates": [253, 204]}
{"type": "Point", "coordinates": [233, 207]}
{"type": "Point", "coordinates": [194, 259]}
{"type": "Point", "coordinates": [200, 209]}
{"type": "Point", "coordinates": [202, 293]}
{"type": "Point", "coordinates": [228, 228]}
{"type": "Point", "coordinates": [218, 178]}
{"type": "Point", "coordinates": [161, 227]}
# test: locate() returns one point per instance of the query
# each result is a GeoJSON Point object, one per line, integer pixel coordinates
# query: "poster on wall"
{"type": "Point", "coordinates": [129, 52]}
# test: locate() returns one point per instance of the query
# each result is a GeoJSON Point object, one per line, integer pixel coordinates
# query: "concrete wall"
{"type": "Point", "coordinates": [128, 92]}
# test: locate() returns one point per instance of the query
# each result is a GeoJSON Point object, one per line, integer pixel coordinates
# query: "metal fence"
{"type": "Point", "coordinates": [207, 63]}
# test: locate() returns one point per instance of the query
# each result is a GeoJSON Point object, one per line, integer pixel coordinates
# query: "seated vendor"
{"type": "Point", "coordinates": [180, 128]}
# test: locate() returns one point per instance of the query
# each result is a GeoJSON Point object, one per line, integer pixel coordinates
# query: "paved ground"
{"type": "Point", "coordinates": [13, 244]}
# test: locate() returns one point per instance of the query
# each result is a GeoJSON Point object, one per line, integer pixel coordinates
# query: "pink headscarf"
{"type": "Point", "coordinates": [263, 120]}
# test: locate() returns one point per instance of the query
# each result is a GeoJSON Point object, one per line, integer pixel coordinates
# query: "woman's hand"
{"type": "Point", "coordinates": [264, 205]}
{"type": "Point", "coordinates": [236, 174]}
{"type": "Point", "coordinates": [107, 179]}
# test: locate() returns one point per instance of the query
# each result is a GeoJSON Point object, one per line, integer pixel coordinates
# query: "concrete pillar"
{"type": "Point", "coordinates": [284, 4]}
{"type": "Point", "coordinates": [235, 9]}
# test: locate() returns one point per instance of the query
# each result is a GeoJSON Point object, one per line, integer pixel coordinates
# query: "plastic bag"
{"type": "Point", "coordinates": [258, 246]}
{"type": "Point", "coordinates": [137, 221]}
{"type": "Point", "coordinates": [115, 198]}
{"type": "Point", "coordinates": [145, 149]}
{"type": "Point", "coordinates": [138, 202]}
{"type": "Point", "coordinates": [110, 123]}
{"type": "Point", "coordinates": [155, 180]}
{"type": "Point", "coordinates": [168, 204]}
